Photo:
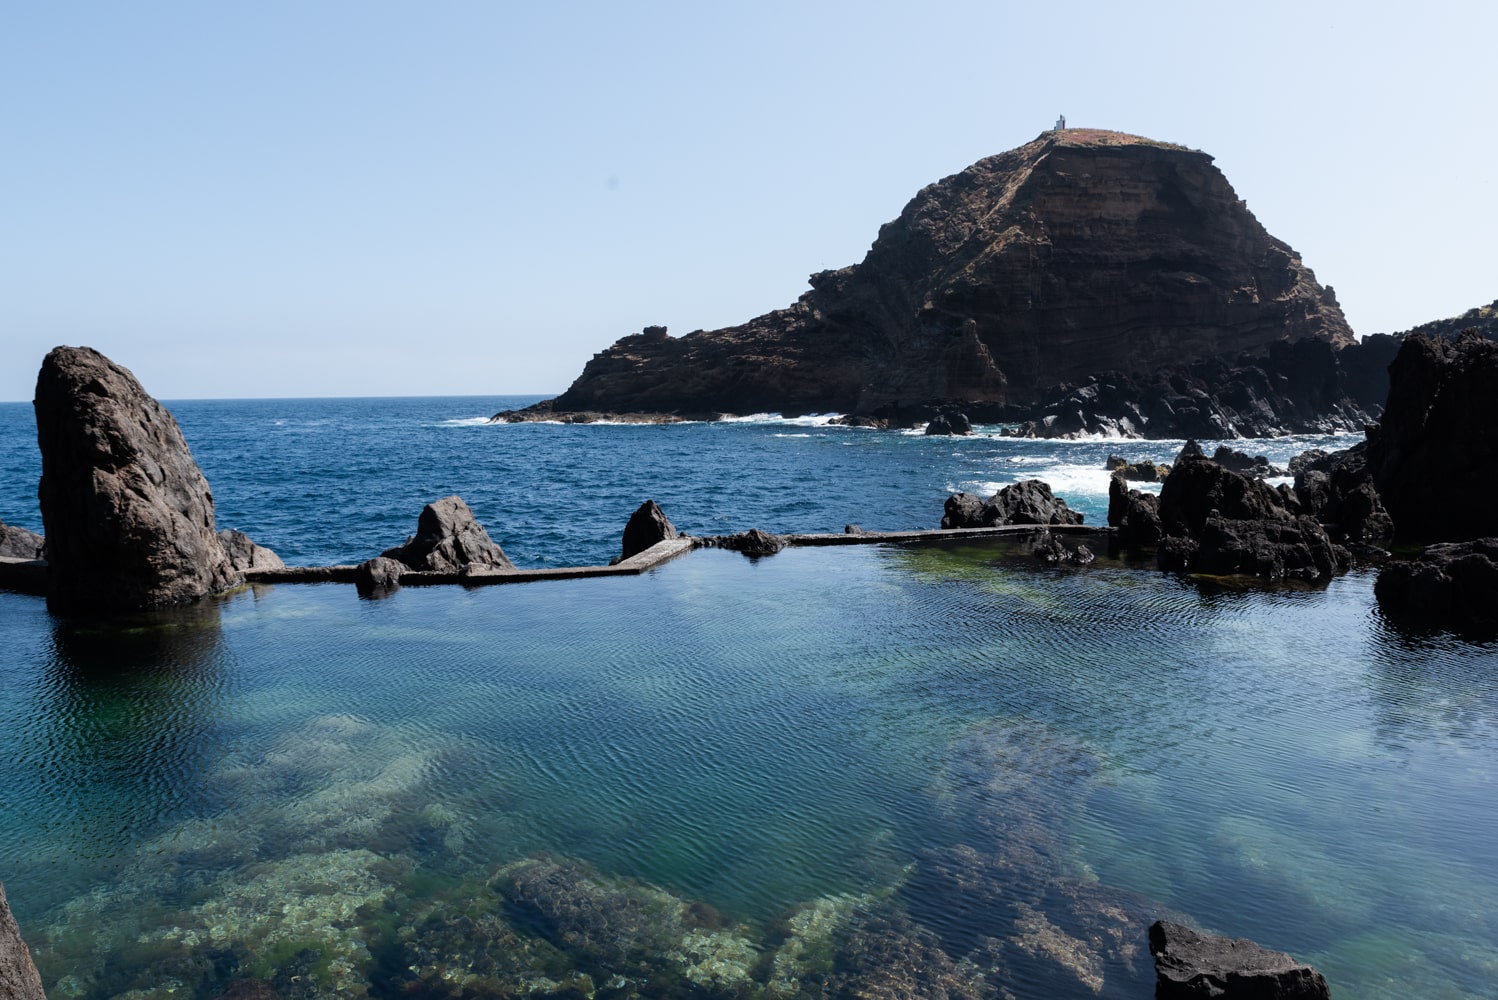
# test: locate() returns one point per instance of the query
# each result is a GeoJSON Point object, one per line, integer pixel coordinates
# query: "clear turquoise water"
{"type": "Point", "coordinates": [948, 731]}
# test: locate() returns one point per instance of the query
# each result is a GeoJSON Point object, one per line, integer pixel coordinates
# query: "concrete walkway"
{"type": "Point", "coordinates": [657, 554]}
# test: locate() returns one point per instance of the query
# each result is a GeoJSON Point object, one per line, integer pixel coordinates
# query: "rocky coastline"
{"type": "Point", "coordinates": [1089, 281]}
{"type": "Point", "coordinates": [1215, 519]}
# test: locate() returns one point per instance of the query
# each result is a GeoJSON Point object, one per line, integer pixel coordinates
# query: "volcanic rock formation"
{"type": "Point", "coordinates": [1435, 456]}
{"type": "Point", "coordinates": [449, 539]}
{"type": "Point", "coordinates": [1083, 251]}
{"type": "Point", "coordinates": [18, 976]}
{"type": "Point", "coordinates": [128, 514]}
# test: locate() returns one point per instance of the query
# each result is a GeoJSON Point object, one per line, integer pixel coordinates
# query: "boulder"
{"type": "Point", "coordinates": [1297, 549]}
{"type": "Point", "coordinates": [244, 555]}
{"type": "Point", "coordinates": [18, 976]}
{"type": "Point", "coordinates": [1053, 552]}
{"type": "Point", "coordinates": [1221, 522]}
{"type": "Point", "coordinates": [1434, 458]}
{"type": "Point", "coordinates": [1134, 515]}
{"type": "Point", "coordinates": [1450, 585]}
{"type": "Point", "coordinates": [1256, 465]}
{"type": "Point", "coordinates": [1190, 451]}
{"type": "Point", "coordinates": [379, 575]}
{"type": "Point", "coordinates": [127, 512]}
{"type": "Point", "coordinates": [647, 526]}
{"type": "Point", "coordinates": [952, 423]}
{"type": "Point", "coordinates": [1027, 502]}
{"type": "Point", "coordinates": [1197, 488]}
{"type": "Point", "coordinates": [448, 540]}
{"type": "Point", "coordinates": [754, 542]}
{"type": "Point", "coordinates": [1189, 964]}
{"type": "Point", "coordinates": [18, 543]}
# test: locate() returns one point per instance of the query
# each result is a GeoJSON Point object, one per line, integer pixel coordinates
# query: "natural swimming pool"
{"type": "Point", "coordinates": [751, 778]}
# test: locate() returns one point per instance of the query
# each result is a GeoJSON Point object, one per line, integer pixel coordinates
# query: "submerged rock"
{"type": "Point", "coordinates": [1051, 551]}
{"type": "Point", "coordinates": [449, 539]}
{"type": "Point", "coordinates": [1027, 502]}
{"type": "Point", "coordinates": [888, 957]}
{"type": "Point", "coordinates": [128, 514]}
{"type": "Point", "coordinates": [1190, 964]}
{"type": "Point", "coordinates": [647, 526]}
{"type": "Point", "coordinates": [1449, 585]}
{"type": "Point", "coordinates": [18, 976]}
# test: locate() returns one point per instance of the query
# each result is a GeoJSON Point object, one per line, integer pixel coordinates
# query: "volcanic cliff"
{"type": "Point", "coordinates": [1082, 251]}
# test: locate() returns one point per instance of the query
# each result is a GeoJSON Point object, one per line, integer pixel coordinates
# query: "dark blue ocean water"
{"type": "Point", "coordinates": [338, 480]}
{"type": "Point", "coordinates": [790, 742]}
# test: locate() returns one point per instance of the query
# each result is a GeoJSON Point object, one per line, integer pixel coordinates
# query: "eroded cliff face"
{"type": "Point", "coordinates": [1081, 252]}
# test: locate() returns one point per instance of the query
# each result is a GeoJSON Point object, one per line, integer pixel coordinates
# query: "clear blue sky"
{"type": "Point", "coordinates": [374, 198]}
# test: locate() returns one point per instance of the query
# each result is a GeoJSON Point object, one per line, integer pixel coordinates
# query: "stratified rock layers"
{"type": "Point", "coordinates": [128, 515]}
{"type": "Point", "coordinates": [1083, 251]}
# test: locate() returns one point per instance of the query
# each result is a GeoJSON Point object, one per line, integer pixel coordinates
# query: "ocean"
{"type": "Point", "coordinates": [785, 776]}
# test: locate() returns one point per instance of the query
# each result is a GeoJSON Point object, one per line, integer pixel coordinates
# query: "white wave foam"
{"type": "Point", "coordinates": [465, 422]}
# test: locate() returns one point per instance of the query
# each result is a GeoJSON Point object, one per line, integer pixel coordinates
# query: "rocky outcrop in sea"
{"type": "Point", "coordinates": [1084, 251]}
{"type": "Point", "coordinates": [129, 517]}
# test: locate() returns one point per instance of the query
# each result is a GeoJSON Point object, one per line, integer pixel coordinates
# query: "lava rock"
{"type": "Point", "coordinates": [448, 539]}
{"type": "Point", "coordinates": [19, 543]}
{"type": "Point", "coordinates": [244, 555]}
{"type": "Point", "coordinates": [1257, 465]}
{"type": "Point", "coordinates": [647, 526]}
{"type": "Point", "coordinates": [1051, 551]}
{"type": "Point", "coordinates": [755, 542]}
{"type": "Point", "coordinates": [1451, 585]}
{"type": "Point", "coordinates": [379, 575]}
{"type": "Point", "coordinates": [1133, 514]}
{"type": "Point", "coordinates": [1222, 522]}
{"type": "Point", "coordinates": [128, 514]}
{"type": "Point", "coordinates": [1027, 502]}
{"type": "Point", "coordinates": [950, 424]}
{"type": "Point", "coordinates": [1036, 267]}
{"type": "Point", "coordinates": [19, 979]}
{"type": "Point", "coordinates": [1296, 549]}
{"type": "Point", "coordinates": [1434, 459]}
{"type": "Point", "coordinates": [1190, 964]}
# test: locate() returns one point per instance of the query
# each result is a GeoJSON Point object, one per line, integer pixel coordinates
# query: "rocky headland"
{"type": "Point", "coordinates": [1013, 283]}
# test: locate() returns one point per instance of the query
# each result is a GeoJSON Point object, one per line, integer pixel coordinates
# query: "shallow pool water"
{"type": "Point", "coordinates": [766, 777]}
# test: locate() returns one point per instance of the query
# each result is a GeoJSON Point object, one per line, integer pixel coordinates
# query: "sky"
{"type": "Point", "coordinates": [448, 198]}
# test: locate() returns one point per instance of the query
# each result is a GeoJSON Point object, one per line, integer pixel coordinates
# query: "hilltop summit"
{"type": "Point", "coordinates": [1082, 251]}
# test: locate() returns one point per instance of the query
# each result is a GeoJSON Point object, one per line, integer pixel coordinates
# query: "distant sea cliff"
{"type": "Point", "coordinates": [1082, 252]}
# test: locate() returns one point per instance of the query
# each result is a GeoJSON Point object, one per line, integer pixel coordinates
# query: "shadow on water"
{"type": "Point", "coordinates": [122, 720]}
